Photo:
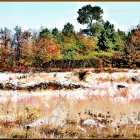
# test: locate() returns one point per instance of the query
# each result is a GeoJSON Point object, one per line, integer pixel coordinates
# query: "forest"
{"type": "Point", "coordinates": [97, 46]}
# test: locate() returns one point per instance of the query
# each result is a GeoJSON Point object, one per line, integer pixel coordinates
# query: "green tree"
{"type": "Point", "coordinates": [129, 36]}
{"type": "Point", "coordinates": [124, 39]}
{"type": "Point", "coordinates": [96, 29]}
{"type": "Point", "coordinates": [109, 38]}
{"type": "Point", "coordinates": [68, 47]}
{"type": "Point", "coordinates": [55, 31]}
{"type": "Point", "coordinates": [45, 33]}
{"type": "Point", "coordinates": [17, 41]}
{"type": "Point", "coordinates": [68, 29]}
{"type": "Point", "coordinates": [58, 37]}
{"type": "Point", "coordinates": [89, 14]}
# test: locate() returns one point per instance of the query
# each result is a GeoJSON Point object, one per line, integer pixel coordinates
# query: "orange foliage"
{"type": "Point", "coordinates": [51, 47]}
{"type": "Point", "coordinates": [47, 48]}
{"type": "Point", "coordinates": [4, 55]}
{"type": "Point", "coordinates": [87, 41]}
{"type": "Point", "coordinates": [136, 38]}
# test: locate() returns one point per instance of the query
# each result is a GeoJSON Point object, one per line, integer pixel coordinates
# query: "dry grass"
{"type": "Point", "coordinates": [20, 132]}
{"type": "Point", "coordinates": [111, 119]}
{"type": "Point", "coordinates": [101, 109]}
{"type": "Point", "coordinates": [104, 112]}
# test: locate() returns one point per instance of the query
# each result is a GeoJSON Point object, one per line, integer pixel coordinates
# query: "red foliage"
{"type": "Point", "coordinates": [136, 37]}
{"type": "Point", "coordinates": [48, 47]}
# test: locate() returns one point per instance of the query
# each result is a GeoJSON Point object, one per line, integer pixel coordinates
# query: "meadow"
{"type": "Point", "coordinates": [81, 103]}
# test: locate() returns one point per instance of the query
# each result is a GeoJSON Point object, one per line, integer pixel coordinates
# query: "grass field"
{"type": "Point", "coordinates": [75, 104]}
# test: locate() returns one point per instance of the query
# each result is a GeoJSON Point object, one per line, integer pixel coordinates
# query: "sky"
{"type": "Point", "coordinates": [124, 15]}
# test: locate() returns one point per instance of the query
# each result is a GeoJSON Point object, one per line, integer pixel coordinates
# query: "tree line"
{"type": "Point", "coordinates": [99, 45]}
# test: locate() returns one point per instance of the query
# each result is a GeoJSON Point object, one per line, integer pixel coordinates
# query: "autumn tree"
{"type": "Point", "coordinates": [6, 47]}
{"type": "Point", "coordinates": [45, 50]}
{"type": "Point", "coordinates": [132, 51]}
{"type": "Point", "coordinates": [26, 49]}
{"type": "Point", "coordinates": [20, 38]}
{"type": "Point", "coordinates": [5, 37]}
{"type": "Point", "coordinates": [135, 39]}
{"type": "Point", "coordinates": [4, 57]}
